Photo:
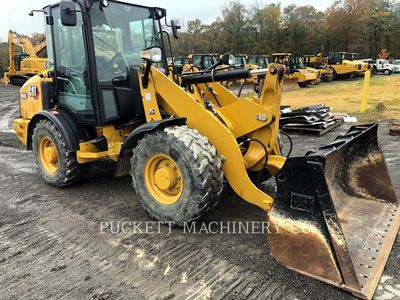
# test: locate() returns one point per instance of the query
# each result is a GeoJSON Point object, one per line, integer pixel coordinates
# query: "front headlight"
{"type": "Point", "coordinates": [153, 54]}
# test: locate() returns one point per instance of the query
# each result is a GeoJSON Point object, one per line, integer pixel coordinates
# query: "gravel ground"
{"type": "Point", "coordinates": [52, 245]}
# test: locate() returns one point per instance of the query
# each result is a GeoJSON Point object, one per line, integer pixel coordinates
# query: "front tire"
{"type": "Point", "coordinates": [177, 174]}
{"type": "Point", "coordinates": [56, 165]}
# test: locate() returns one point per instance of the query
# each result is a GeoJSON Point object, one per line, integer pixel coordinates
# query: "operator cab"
{"type": "Point", "coordinates": [258, 60]}
{"type": "Point", "coordinates": [181, 61]}
{"type": "Point", "coordinates": [203, 61]}
{"type": "Point", "coordinates": [94, 54]}
{"type": "Point", "coordinates": [336, 58]}
{"type": "Point", "coordinates": [18, 58]}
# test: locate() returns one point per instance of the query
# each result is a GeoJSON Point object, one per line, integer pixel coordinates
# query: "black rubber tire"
{"type": "Point", "coordinates": [335, 75]}
{"type": "Point", "coordinates": [387, 72]}
{"type": "Point", "coordinates": [303, 84]}
{"type": "Point", "coordinates": [69, 170]}
{"type": "Point", "coordinates": [200, 168]}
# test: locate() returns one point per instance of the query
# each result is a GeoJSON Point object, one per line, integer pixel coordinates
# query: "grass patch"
{"type": "Point", "coordinates": [345, 96]}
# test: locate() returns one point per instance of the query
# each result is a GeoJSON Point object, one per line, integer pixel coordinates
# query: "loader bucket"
{"type": "Point", "coordinates": [290, 84]}
{"type": "Point", "coordinates": [242, 89]}
{"type": "Point", "coordinates": [336, 215]}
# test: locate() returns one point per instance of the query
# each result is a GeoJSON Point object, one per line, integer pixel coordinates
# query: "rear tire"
{"type": "Point", "coordinates": [200, 180]}
{"type": "Point", "coordinates": [64, 169]}
{"type": "Point", "coordinates": [303, 84]}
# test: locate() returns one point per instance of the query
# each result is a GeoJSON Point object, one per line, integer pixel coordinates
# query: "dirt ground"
{"type": "Point", "coordinates": [52, 247]}
{"type": "Point", "coordinates": [345, 96]}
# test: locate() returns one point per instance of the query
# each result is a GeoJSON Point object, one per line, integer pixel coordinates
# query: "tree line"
{"type": "Point", "coordinates": [361, 26]}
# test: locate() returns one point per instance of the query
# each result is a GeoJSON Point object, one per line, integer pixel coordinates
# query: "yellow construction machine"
{"type": "Point", "coordinates": [316, 63]}
{"type": "Point", "coordinates": [40, 48]}
{"type": "Point", "coordinates": [202, 61]}
{"type": "Point", "coordinates": [296, 74]}
{"type": "Point", "coordinates": [244, 86]}
{"type": "Point", "coordinates": [342, 67]}
{"type": "Point", "coordinates": [362, 66]}
{"type": "Point", "coordinates": [261, 61]}
{"type": "Point", "coordinates": [257, 62]}
{"type": "Point", "coordinates": [23, 65]}
{"type": "Point", "coordinates": [335, 215]}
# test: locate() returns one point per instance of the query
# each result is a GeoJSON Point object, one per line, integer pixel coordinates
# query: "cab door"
{"type": "Point", "coordinates": [69, 61]}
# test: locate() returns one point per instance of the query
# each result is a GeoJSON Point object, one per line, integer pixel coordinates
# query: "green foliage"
{"type": "Point", "coordinates": [4, 62]}
{"type": "Point", "coordinates": [361, 26]}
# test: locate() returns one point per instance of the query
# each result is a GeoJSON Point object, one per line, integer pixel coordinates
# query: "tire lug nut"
{"type": "Point", "coordinates": [174, 168]}
{"type": "Point", "coordinates": [177, 187]}
{"type": "Point", "coordinates": [167, 164]}
{"type": "Point", "coordinates": [179, 177]}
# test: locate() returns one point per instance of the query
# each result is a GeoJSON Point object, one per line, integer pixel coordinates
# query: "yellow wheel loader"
{"type": "Point", "coordinates": [296, 75]}
{"type": "Point", "coordinates": [258, 62]}
{"type": "Point", "coordinates": [244, 87]}
{"type": "Point", "coordinates": [335, 215]}
{"type": "Point", "coordinates": [24, 65]}
{"type": "Point", "coordinates": [202, 61]}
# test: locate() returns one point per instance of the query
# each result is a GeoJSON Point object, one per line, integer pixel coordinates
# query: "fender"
{"type": "Point", "coordinates": [72, 133]}
{"type": "Point", "coordinates": [123, 164]}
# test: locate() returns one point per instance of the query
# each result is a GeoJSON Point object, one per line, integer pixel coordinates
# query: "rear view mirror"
{"type": "Point", "coordinates": [68, 13]}
{"type": "Point", "coordinates": [175, 29]}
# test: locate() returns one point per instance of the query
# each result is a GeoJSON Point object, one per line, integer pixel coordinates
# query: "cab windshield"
{"type": "Point", "coordinates": [262, 62]}
{"type": "Point", "coordinates": [120, 32]}
{"type": "Point", "coordinates": [240, 61]}
{"type": "Point", "coordinates": [299, 63]}
{"type": "Point", "coordinates": [349, 56]}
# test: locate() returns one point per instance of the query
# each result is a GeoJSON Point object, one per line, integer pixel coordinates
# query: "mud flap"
{"type": "Point", "coordinates": [290, 84]}
{"type": "Point", "coordinates": [336, 216]}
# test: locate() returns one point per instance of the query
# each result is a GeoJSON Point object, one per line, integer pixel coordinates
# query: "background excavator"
{"type": "Point", "coordinates": [25, 64]}
{"type": "Point", "coordinates": [335, 214]}
{"type": "Point", "coordinates": [40, 48]}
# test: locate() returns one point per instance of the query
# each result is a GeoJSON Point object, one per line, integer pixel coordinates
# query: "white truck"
{"type": "Point", "coordinates": [396, 63]}
{"type": "Point", "coordinates": [382, 66]}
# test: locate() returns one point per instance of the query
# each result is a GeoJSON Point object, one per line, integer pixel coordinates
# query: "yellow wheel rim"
{"type": "Point", "coordinates": [163, 179]}
{"type": "Point", "coordinates": [48, 154]}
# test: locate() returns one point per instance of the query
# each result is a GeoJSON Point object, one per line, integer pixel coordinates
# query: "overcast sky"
{"type": "Point", "coordinates": [14, 13]}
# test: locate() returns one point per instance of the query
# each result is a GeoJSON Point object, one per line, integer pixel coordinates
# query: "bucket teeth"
{"type": "Point", "coordinates": [343, 200]}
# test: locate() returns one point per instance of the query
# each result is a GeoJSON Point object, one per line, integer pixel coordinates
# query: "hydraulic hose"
{"type": "Point", "coordinates": [290, 141]}
{"type": "Point", "coordinates": [266, 158]}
